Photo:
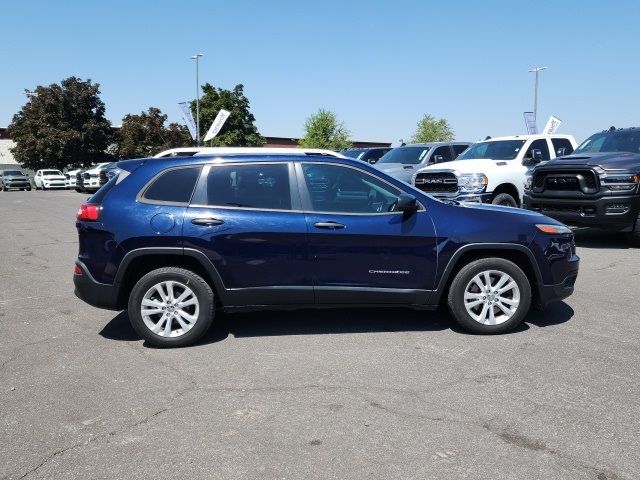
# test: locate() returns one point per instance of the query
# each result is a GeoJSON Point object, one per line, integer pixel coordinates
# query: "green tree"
{"type": "Point", "coordinates": [61, 125]}
{"type": "Point", "coordinates": [239, 130]}
{"type": "Point", "coordinates": [431, 130]}
{"type": "Point", "coordinates": [323, 130]}
{"type": "Point", "coordinates": [145, 134]}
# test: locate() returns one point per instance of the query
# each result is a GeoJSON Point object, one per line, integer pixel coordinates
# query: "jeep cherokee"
{"type": "Point", "coordinates": [174, 239]}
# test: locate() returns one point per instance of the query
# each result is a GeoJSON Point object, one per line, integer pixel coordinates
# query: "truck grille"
{"type": "Point", "coordinates": [566, 180]}
{"type": "Point", "coordinates": [440, 182]}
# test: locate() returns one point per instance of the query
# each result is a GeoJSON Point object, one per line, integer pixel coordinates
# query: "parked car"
{"type": "Point", "coordinates": [14, 179]}
{"type": "Point", "coordinates": [71, 178]}
{"type": "Point", "coordinates": [49, 179]}
{"type": "Point", "coordinates": [191, 151]}
{"type": "Point", "coordinates": [492, 171]}
{"type": "Point", "coordinates": [189, 236]}
{"type": "Point", "coordinates": [89, 180]}
{"type": "Point", "coordinates": [108, 171]}
{"type": "Point", "coordinates": [596, 186]}
{"type": "Point", "coordinates": [369, 155]}
{"type": "Point", "coordinates": [403, 162]}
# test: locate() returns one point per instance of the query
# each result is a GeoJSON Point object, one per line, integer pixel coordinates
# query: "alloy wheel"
{"type": "Point", "coordinates": [169, 309]}
{"type": "Point", "coordinates": [492, 297]}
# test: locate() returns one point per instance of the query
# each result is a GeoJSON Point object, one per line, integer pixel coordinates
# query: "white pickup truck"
{"type": "Point", "coordinates": [493, 170]}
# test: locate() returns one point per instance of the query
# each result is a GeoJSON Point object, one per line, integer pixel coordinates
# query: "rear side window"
{"type": "Point", "coordinates": [173, 186]}
{"type": "Point", "coordinates": [458, 149]}
{"type": "Point", "coordinates": [263, 186]}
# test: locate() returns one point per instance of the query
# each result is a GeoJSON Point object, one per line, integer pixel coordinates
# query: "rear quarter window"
{"type": "Point", "coordinates": [173, 186]}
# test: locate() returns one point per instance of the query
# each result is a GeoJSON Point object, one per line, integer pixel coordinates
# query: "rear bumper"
{"type": "Point", "coordinates": [597, 212]}
{"type": "Point", "coordinates": [100, 295]}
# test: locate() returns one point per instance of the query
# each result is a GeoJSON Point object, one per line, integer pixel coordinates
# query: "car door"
{"type": "Point", "coordinates": [361, 250]}
{"type": "Point", "coordinates": [246, 218]}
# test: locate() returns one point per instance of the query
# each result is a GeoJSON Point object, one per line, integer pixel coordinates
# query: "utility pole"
{"type": "Point", "coordinates": [536, 70]}
{"type": "Point", "coordinates": [196, 57]}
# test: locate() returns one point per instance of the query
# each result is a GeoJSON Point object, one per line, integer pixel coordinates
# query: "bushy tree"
{"type": "Point", "coordinates": [431, 130]}
{"type": "Point", "coordinates": [239, 130]}
{"type": "Point", "coordinates": [145, 134]}
{"type": "Point", "coordinates": [61, 125]}
{"type": "Point", "coordinates": [323, 130]}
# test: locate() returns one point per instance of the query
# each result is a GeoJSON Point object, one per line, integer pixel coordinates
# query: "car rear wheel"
{"type": "Point", "coordinates": [489, 296]}
{"type": "Point", "coordinates": [171, 307]}
{"type": "Point", "coordinates": [504, 199]}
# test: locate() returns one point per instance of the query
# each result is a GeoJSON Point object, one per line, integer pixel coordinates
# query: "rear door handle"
{"type": "Point", "coordinates": [207, 221]}
{"type": "Point", "coordinates": [328, 225]}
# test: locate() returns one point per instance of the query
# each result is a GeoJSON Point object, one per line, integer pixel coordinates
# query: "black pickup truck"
{"type": "Point", "coordinates": [595, 186]}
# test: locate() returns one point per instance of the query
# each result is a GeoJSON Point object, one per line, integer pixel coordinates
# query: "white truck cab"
{"type": "Point", "coordinates": [492, 170]}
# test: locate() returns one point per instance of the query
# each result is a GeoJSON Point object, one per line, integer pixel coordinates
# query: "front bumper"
{"type": "Point", "coordinates": [553, 293]}
{"type": "Point", "coordinates": [17, 184]}
{"type": "Point", "coordinates": [56, 184]}
{"type": "Point", "coordinates": [600, 212]}
{"type": "Point", "coordinates": [463, 197]}
{"type": "Point", "coordinates": [100, 295]}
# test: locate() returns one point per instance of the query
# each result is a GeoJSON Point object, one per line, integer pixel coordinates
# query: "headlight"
{"type": "Point", "coordinates": [528, 181]}
{"type": "Point", "coordinates": [618, 182]}
{"type": "Point", "coordinates": [472, 182]}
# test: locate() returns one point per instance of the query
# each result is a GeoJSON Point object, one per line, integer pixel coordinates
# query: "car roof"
{"type": "Point", "coordinates": [525, 137]}
{"type": "Point", "coordinates": [198, 151]}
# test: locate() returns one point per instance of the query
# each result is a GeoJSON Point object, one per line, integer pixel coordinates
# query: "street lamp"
{"type": "Point", "coordinates": [536, 70]}
{"type": "Point", "coordinates": [196, 57]}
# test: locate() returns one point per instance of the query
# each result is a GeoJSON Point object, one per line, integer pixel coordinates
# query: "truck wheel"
{"type": "Point", "coordinates": [171, 307]}
{"type": "Point", "coordinates": [489, 296]}
{"type": "Point", "coordinates": [504, 199]}
{"type": "Point", "coordinates": [633, 237]}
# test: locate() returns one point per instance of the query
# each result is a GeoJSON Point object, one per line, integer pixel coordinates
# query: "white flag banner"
{"type": "Point", "coordinates": [552, 125]}
{"type": "Point", "coordinates": [530, 122]}
{"type": "Point", "coordinates": [217, 124]}
{"type": "Point", "coordinates": [187, 116]}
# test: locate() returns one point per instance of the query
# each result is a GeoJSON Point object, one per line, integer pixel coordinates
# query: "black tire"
{"type": "Point", "coordinates": [504, 199]}
{"type": "Point", "coordinates": [28, 189]}
{"type": "Point", "coordinates": [633, 237]}
{"type": "Point", "coordinates": [456, 300]}
{"type": "Point", "coordinates": [202, 292]}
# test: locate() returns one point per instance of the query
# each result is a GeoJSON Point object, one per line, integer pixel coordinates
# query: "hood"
{"type": "Point", "coordinates": [606, 160]}
{"type": "Point", "coordinates": [53, 177]}
{"type": "Point", "coordinates": [488, 207]}
{"type": "Point", "coordinates": [479, 165]}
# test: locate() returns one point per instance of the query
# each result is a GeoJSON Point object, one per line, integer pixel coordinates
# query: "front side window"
{"type": "Point", "coordinates": [333, 188]}
{"type": "Point", "coordinates": [559, 143]}
{"type": "Point", "coordinates": [262, 186]}
{"type": "Point", "coordinates": [458, 149]}
{"type": "Point", "coordinates": [173, 186]}
{"type": "Point", "coordinates": [442, 154]}
{"type": "Point", "coordinates": [496, 150]}
{"type": "Point", "coordinates": [540, 144]}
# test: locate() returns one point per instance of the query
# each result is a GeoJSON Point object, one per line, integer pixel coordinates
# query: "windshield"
{"type": "Point", "coordinates": [627, 141]}
{"type": "Point", "coordinates": [355, 153]}
{"type": "Point", "coordinates": [498, 150]}
{"type": "Point", "coordinates": [10, 173]}
{"type": "Point", "coordinates": [405, 155]}
{"type": "Point", "coordinates": [51, 172]}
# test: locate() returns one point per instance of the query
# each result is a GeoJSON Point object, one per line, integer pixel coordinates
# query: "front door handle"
{"type": "Point", "coordinates": [328, 225]}
{"type": "Point", "coordinates": [207, 221]}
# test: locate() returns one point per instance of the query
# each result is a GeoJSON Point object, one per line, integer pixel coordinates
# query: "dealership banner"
{"type": "Point", "coordinates": [217, 124]}
{"type": "Point", "coordinates": [530, 122]}
{"type": "Point", "coordinates": [552, 125]}
{"type": "Point", "coordinates": [187, 116]}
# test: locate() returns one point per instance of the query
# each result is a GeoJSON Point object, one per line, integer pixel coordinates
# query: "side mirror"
{"type": "Point", "coordinates": [536, 154]}
{"type": "Point", "coordinates": [561, 152]}
{"type": "Point", "coordinates": [532, 158]}
{"type": "Point", "coordinates": [438, 158]}
{"type": "Point", "coordinates": [407, 203]}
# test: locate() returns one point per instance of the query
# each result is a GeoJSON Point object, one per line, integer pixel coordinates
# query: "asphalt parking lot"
{"type": "Point", "coordinates": [310, 394]}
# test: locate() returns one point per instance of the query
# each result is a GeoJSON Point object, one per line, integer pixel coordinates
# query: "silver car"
{"type": "Point", "coordinates": [402, 162]}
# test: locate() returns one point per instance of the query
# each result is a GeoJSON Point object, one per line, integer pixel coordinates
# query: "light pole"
{"type": "Point", "coordinates": [196, 57]}
{"type": "Point", "coordinates": [536, 70]}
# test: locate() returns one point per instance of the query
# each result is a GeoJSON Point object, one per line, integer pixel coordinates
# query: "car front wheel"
{"type": "Point", "coordinates": [489, 296]}
{"type": "Point", "coordinates": [504, 199]}
{"type": "Point", "coordinates": [171, 307]}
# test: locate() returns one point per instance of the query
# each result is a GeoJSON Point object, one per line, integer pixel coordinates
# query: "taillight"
{"type": "Point", "coordinates": [88, 212]}
{"type": "Point", "coordinates": [77, 270]}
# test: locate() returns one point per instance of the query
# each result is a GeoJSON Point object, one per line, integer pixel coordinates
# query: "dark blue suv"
{"type": "Point", "coordinates": [175, 239]}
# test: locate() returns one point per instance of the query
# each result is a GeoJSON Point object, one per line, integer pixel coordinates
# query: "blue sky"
{"type": "Point", "coordinates": [378, 65]}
